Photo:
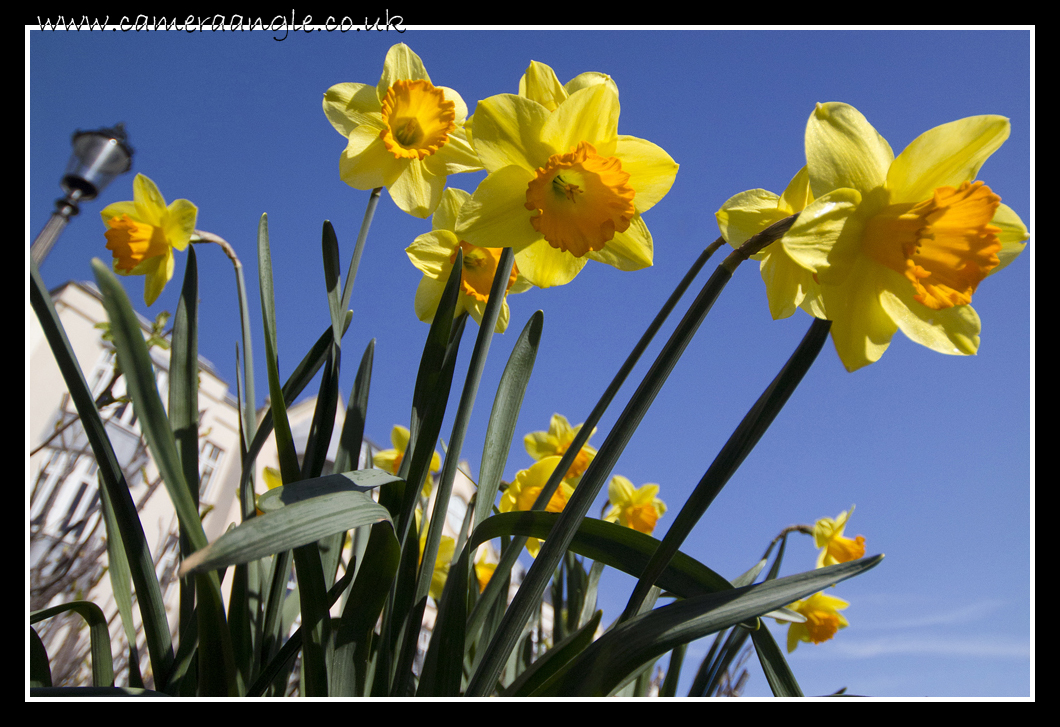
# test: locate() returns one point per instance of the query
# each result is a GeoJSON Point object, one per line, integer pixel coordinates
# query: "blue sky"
{"type": "Point", "coordinates": [936, 451]}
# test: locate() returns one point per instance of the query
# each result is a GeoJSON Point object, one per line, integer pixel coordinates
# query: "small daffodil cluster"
{"type": "Point", "coordinates": [821, 611]}
{"type": "Point", "coordinates": [632, 507]}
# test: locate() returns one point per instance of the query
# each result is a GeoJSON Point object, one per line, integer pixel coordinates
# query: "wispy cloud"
{"type": "Point", "coordinates": [986, 648]}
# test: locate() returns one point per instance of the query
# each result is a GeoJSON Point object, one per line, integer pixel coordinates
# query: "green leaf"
{"type": "Point", "coordinates": [552, 661]}
{"type": "Point", "coordinates": [611, 544]}
{"type": "Point", "coordinates": [149, 595]}
{"type": "Point", "coordinates": [505, 415]}
{"type": "Point", "coordinates": [537, 578]}
{"type": "Point", "coordinates": [353, 634]}
{"type": "Point", "coordinates": [40, 673]}
{"type": "Point", "coordinates": [747, 434]}
{"type": "Point", "coordinates": [120, 576]}
{"type": "Point", "coordinates": [606, 663]}
{"type": "Point", "coordinates": [99, 636]}
{"type": "Point", "coordinates": [297, 514]}
{"type": "Point", "coordinates": [778, 673]}
{"type": "Point", "coordinates": [289, 470]}
{"type": "Point", "coordinates": [150, 413]}
{"type": "Point", "coordinates": [154, 424]}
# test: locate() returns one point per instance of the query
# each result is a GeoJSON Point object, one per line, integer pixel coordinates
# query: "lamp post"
{"type": "Point", "coordinates": [98, 157]}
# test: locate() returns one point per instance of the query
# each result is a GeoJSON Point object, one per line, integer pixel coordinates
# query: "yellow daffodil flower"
{"type": "Point", "coordinates": [828, 535]}
{"type": "Point", "coordinates": [788, 284]}
{"type": "Point", "coordinates": [541, 84]}
{"type": "Point", "coordinates": [563, 186]}
{"type": "Point", "coordinates": [142, 234]}
{"type": "Point", "coordinates": [434, 253]}
{"type": "Point", "coordinates": [446, 550]}
{"type": "Point", "coordinates": [636, 508]}
{"type": "Point", "coordinates": [390, 459]}
{"type": "Point", "coordinates": [528, 484]}
{"type": "Point", "coordinates": [822, 620]}
{"type": "Point", "coordinates": [272, 478]}
{"type": "Point", "coordinates": [484, 568]}
{"type": "Point", "coordinates": [405, 133]}
{"type": "Point", "coordinates": [556, 441]}
{"type": "Point", "coordinates": [901, 242]}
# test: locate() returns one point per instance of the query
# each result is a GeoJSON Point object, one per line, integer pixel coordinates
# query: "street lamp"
{"type": "Point", "coordinates": [98, 157]}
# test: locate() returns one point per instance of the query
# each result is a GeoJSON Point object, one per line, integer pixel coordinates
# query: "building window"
{"type": "Point", "coordinates": [209, 462]}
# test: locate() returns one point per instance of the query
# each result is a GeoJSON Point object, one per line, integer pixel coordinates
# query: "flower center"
{"type": "Point", "coordinates": [418, 119]}
{"type": "Point", "coordinates": [643, 517]}
{"type": "Point", "coordinates": [480, 265]}
{"type": "Point", "coordinates": [845, 549]}
{"type": "Point", "coordinates": [581, 200]}
{"type": "Point", "coordinates": [132, 242]}
{"type": "Point", "coordinates": [944, 246]}
{"type": "Point", "coordinates": [580, 463]}
{"type": "Point", "coordinates": [821, 625]}
{"type": "Point", "coordinates": [528, 495]}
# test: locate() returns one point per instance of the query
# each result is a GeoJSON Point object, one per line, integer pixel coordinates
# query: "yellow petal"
{"type": "Point", "coordinates": [629, 250]}
{"type": "Point", "coordinates": [545, 266]}
{"type": "Point", "coordinates": [180, 222]}
{"type": "Point", "coordinates": [150, 204]}
{"type": "Point", "coordinates": [1012, 233]}
{"type": "Point", "coordinates": [401, 64]}
{"type": "Point", "coordinates": [651, 170]}
{"type": "Point", "coordinates": [366, 163]}
{"type": "Point", "coordinates": [347, 105]}
{"type": "Point", "coordinates": [160, 274]}
{"type": "Point", "coordinates": [496, 214]}
{"type": "Point", "coordinates": [844, 150]}
{"type": "Point", "coordinates": [417, 191]}
{"type": "Point", "coordinates": [826, 236]}
{"type": "Point", "coordinates": [508, 131]}
{"type": "Point", "coordinates": [590, 114]}
{"type": "Point", "coordinates": [861, 328]}
{"type": "Point", "coordinates": [540, 84]}
{"type": "Point", "coordinates": [954, 330]}
{"type": "Point", "coordinates": [445, 216]}
{"type": "Point", "coordinates": [945, 156]}
{"type": "Point", "coordinates": [746, 214]}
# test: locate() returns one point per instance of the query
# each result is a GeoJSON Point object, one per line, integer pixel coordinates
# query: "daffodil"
{"type": "Point", "coordinates": [390, 459]}
{"type": "Point", "coordinates": [563, 186]}
{"type": "Point", "coordinates": [788, 284]}
{"type": "Point", "coordinates": [446, 549]}
{"type": "Point", "coordinates": [484, 568]}
{"type": "Point", "coordinates": [541, 84]}
{"type": "Point", "coordinates": [556, 441]}
{"type": "Point", "coordinates": [901, 242]}
{"type": "Point", "coordinates": [434, 253]}
{"type": "Point", "coordinates": [636, 508]}
{"type": "Point", "coordinates": [528, 484]}
{"type": "Point", "coordinates": [828, 535]}
{"type": "Point", "coordinates": [142, 234]}
{"type": "Point", "coordinates": [822, 620]}
{"type": "Point", "coordinates": [404, 133]}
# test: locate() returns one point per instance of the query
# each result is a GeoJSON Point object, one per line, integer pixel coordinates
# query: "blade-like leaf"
{"type": "Point", "coordinates": [285, 450]}
{"type": "Point", "coordinates": [149, 595]}
{"type": "Point", "coordinates": [40, 673]}
{"type": "Point", "coordinates": [308, 511]}
{"type": "Point", "coordinates": [732, 455]}
{"type": "Point", "coordinates": [505, 414]}
{"type": "Point", "coordinates": [537, 578]}
{"type": "Point", "coordinates": [606, 663]}
{"type": "Point", "coordinates": [99, 637]}
{"type": "Point", "coordinates": [353, 634]}
{"type": "Point", "coordinates": [611, 544]}
{"type": "Point", "coordinates": [775, 666]}
{"type": "Point", "coordinates": [549, 663]}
